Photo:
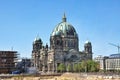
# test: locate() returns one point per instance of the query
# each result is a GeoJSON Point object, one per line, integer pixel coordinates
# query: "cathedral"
{"type": "Point", "coordinates": [64, 48]}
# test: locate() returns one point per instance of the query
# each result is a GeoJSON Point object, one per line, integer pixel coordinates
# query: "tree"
{"type": "Point", "coordinates": [69, 68]}
{"type": "Point", "coordinates": [92, 66]}
{"type": "Point", "coordinates": [79, 67]}
{"type": "Point", "coordinates": [97, 65]}
{"type": "Point", "coordinates": [61, 67]}
{"type": "Point", "coordinates": [88, 66]}
{"type": "Point", "coordinates": [83, 66]}
{"type": "Point", "coordinates": [75, 68]}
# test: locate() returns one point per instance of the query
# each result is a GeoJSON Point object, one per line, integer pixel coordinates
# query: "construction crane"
{"type": "Point", "coordinates": [116, 46]}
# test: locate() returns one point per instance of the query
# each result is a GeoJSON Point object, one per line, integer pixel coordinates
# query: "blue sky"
{"type": "Point", "coordinates": [95, 20]}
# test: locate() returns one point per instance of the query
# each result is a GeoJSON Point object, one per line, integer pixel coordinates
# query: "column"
{"type": "Point", "coordinates": [48, 67]}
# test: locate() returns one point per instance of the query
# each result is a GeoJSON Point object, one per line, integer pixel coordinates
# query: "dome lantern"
{"type": "Point", "coordinates": [64, 18]}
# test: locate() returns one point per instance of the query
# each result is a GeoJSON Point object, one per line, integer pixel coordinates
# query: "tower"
{"type": "Point", "coordinates": [37, 45]}
{"type": "Point", "coordinates": [88, 50]}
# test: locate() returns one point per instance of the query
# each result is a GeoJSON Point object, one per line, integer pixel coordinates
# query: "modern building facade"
{"type": "Point", "coordinates": [7, 61]}
{"type": "Point", "coordinates": [64, 48]}
{"type": "Point", "coordinates": [101, 60]}
{"type": "Point", "coordinates": [111, 62]}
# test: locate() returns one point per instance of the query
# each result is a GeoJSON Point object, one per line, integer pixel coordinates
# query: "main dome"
{"type": "Point", "coordinates": [64, 29]}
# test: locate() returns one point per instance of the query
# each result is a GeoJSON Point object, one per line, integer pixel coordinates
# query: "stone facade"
{"type": "Point", "coordinates": [64, 48]}
{"type": "Point", "coordinates": [111, 62]}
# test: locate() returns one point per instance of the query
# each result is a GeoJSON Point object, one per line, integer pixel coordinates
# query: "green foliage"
{"type": "Point", "coordinates": [83, 66]}
{"type": "Point", "coordinates": [69, 68]}
{"type": "Point", "coordinates": [75, 69]}
{"type": "Point", "coordinates": [91, 66]}
{"type": "Point", "coordinates": [79, 67]}
{"type": "Point", "coordinates": [86, 66]}
{"type": "Point", "coordinates": [61, 67]}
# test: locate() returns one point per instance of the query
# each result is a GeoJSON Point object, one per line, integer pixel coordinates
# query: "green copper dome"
{"type": "Point", "coordinates": [87, 42]}
{"type": "Point", "coordinates": [64, 29]}
{"type": "Point", "coordinates": [37, 39]}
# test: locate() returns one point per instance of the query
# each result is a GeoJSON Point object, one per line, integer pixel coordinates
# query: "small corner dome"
{"type": "Point", "coordinates": [64, 28]}
{"type": "Point", "coordinates": [37, 39]}
{"type": "Point", "coordinates": [87, 42]}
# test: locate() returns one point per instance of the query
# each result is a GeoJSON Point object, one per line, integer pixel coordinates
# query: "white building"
{"type": "Point", "coordinates": [111, 62]}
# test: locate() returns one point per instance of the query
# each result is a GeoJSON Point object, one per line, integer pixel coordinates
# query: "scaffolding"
{"type": "Point", "coordinates": [7, 61]}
